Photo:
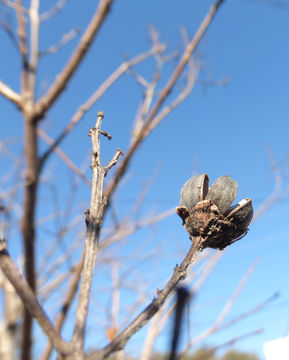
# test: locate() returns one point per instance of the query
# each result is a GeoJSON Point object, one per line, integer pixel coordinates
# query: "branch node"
{"type": "Point", "coordinates": [113, 161]}
{"type": "Point", "coordinates": [104, 133]}
{"type": "Point", "coordinates": [100, 113]}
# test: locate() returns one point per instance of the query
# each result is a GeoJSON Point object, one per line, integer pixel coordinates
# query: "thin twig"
{"type": "Point", "coordinates": [10, 33]}
{"type": "Point", "coordinates": [72, 288]}
{"type": "Point", "coordinates": [10, 94]}
{"type": "Point", "coordinates": [126, 229]}
{"type": "Point", "coordinates": [63, 156]}
{"type": "Point", "coordinates": [21, 31]}
{"type": "Point", "coordinates": [162, 317]}
{"type": "Point", "coordinates": [219, 323]}
{"type": "Point", "coordinates": [79, 114]}
{"type": "Point", "coordinates": [278, 193]}
{"type": "Point", "coordinates": [191, 79]}
{"type": "Point", "coordinates": [34, 45]}
{"type": "Point", "coordinates": [94, 219]}
{"type": "Point", "coordinates": [30, 301]}
{"type": "Point", "coordinates": [66, 38]}
{"type": "Point", "coordinates": [164, 94]}
{"type": "Point", "coordinates": [84, 44]}
{"type": "Point", "coordinates": [54, 10]}
{"type": "Point", "coordinates": [179, 274]}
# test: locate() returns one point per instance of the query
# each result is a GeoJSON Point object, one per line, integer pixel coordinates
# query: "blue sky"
{"type": "Point", "coordinates": [218, 130]}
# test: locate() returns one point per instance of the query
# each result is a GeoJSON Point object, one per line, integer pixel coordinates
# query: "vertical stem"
{"type": "Point", "coordinates": [28, 226]}
{"type": "Point", "coordinates": [34, 41]}
{"type": "Point", "coordinates": [31, 155]}
{"type": "Point", "coordinates": [94, 222]}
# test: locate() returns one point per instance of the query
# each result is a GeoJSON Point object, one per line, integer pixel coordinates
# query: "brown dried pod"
{"type": "Point", "coordinates": [241, 213]}
{"type": "Point", "coordinates": [223, 192]}
{"type": "Point", "coordinates": [194, 190]}
{"type": "Point", "coordinates": [208, 213]}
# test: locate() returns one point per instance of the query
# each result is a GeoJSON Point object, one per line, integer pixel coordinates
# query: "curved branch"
{"type": "Point", "coordinates": [30, 301]}
{"type": "Point", "coordinates": [10, 94]}
{"type": "Point", "coordinates": [54, 10]}
{"type": "Point", "coordinates": [72, 288]}
{"type": "Point", "coordinates": [163, 96]}
{"type": "Point", "coordinates": [79, 114]}
{"type": "Point", "coordinates": [85, 42]}
{"type": "Point", "coordinates": [179, 274]}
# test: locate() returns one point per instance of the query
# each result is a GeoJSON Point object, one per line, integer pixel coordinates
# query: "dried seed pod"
{"type": "Point", "coordinates": [241, 213]}
{"type": "Point", "coordinates": [194, 190]}
{"type": "Point", "coordinates": [207, 213]}
{"type": "Point", "coordinates": [223, 192]}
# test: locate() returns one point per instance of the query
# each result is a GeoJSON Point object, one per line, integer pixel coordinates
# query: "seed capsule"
{"type": "Point", "coordinates": [207, 213]}
{"type": "Point", "coordinates": [194, 190]}
{"type": "Point", "coordinates": [223, 192]}
{"type": "Point", "coordinates": [241, 213]}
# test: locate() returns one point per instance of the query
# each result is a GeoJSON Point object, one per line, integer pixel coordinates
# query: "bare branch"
{"type": "Point", "coordinates": [236, 293]}
{"type": "Point", "coordinates": [72, 288]}
{"type": "Point", "coordinates": [13, 310]}
{"type": "Point", "coordinates": [10, 94]}
{"type": "Point", "coordinates": [10, 33]}
{"type": "Point", "coordinates": [63, 156]}
{"type": "Point", "coordinates": [278, 193]}
{"type": "Point", "coordinates": [85, 42]}
{"type": "Point", "coordinates": [21, 31]}
{"type": "Point", "coordinates": [123, 231]}
{"type": "Point", "coordinates": [9, 3]}
{"type": "Point", "coordinates": [34, 45]}
{"type": "Point", "coordinates": [161, 318]}
{"type": "Point", "coordinates": [94, 220]}
{"type": "Point", "coordinates": [13, 5]}
{"type": "Point", "coordinates": [164, 94]}
{"type": "Point", "coordinates": [191, 79]}
{"type": "Point", "coordinates": [66, 38]}
{"type": "Point", "coordinates": [54, 10]}
{"type": "Point", "coordinates": [113, 161]}
{"type": "Point", "coordinates": [219, 322]}
{"type": "Point", "coordinates": [185, 58]}
{"type": "Point", "coordinates": [179, 274]}
{"type": "Point", "coordinates": [30, 301]}
{"type": "Point", "coordinates": [97, 94]}
{"type": "Point", "coordinates": [127, 229]}
{"type": "Point", "coordinates": [28, 224]}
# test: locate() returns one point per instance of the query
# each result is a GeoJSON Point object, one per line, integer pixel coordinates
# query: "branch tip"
{"type": "Point", "coordinates": [100, 113]}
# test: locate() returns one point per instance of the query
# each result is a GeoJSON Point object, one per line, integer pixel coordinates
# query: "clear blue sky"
{"type": "Point", "coordinates": [218, 130]}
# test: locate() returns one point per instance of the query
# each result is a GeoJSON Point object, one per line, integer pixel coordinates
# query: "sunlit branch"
{"type": "Point", "coordinates": [29, 300]}
{"type": "Point", "coordinates": [164, 94]}
{"type": "Point", "coordinates": [63, 156]}
{"type": "Point", "coordinates": [84, 44]}
{"type": "Point", "coordinates": [54, 10]}
{"type": "Point", "coordinates": [79, 114]}
{"type": "Point", "coordinates": [10, 94]}
{"type": "Point", "coordinates": [66, 38]}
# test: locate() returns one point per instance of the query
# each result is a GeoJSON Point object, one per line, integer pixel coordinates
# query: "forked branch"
{"type": "Point", "coordinates": [179, 274]}
{"type": "Point", "coordinates": [163, 96]}
{"type": "Point", "coordinates": [85, 42]}
{"type": "Point", "coordinates": [81, 111]}
{"type": "Point", "coordinates": [94, 219]}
